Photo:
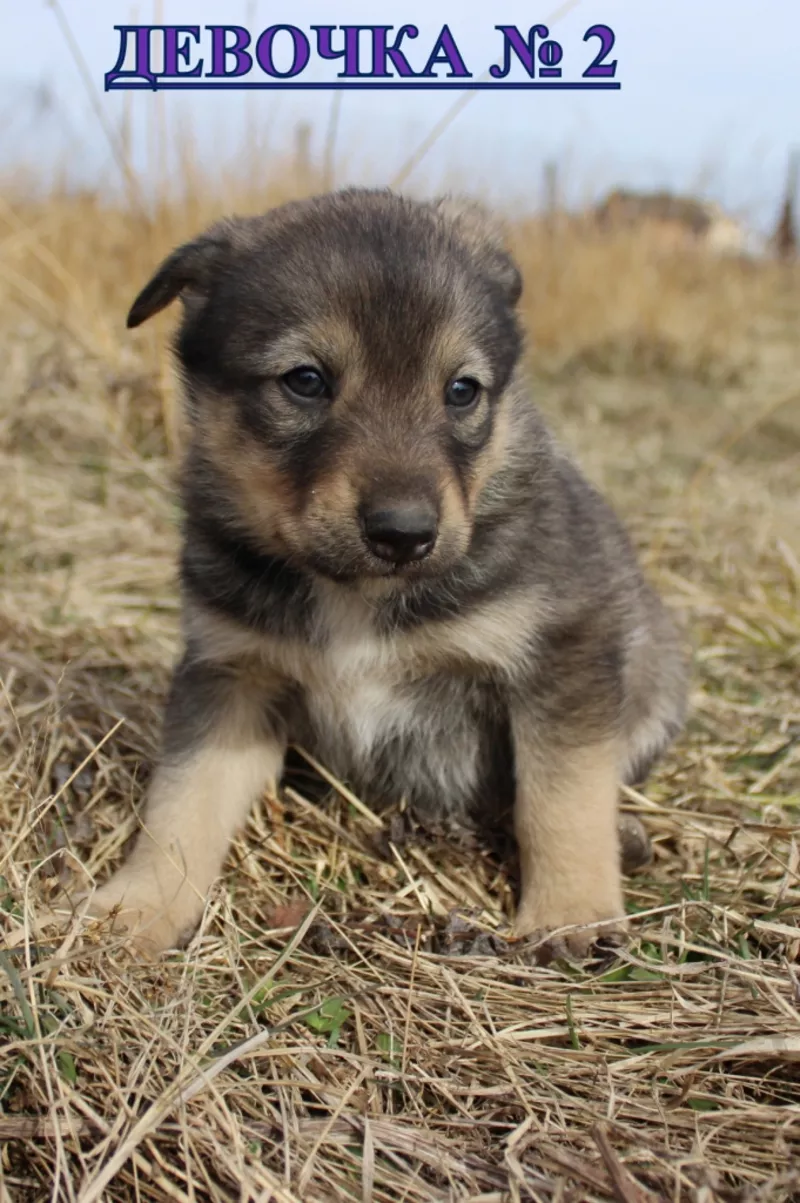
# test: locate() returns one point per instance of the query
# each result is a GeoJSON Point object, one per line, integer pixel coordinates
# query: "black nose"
{"type": "Point", "coordinates": [401, 531]}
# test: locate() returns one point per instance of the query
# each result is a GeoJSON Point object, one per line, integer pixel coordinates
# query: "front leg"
{"type": "Point", "coordinates": [566, 825]}
{"type": "Point", "coordinates": [223, 745]}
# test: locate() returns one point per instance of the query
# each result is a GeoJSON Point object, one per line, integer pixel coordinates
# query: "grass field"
{"type": "Point", "coordinates": [315, 1042]}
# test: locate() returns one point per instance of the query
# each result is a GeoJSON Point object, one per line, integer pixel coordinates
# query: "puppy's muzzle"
{"type": "Point", "coordinates": [401, 531]}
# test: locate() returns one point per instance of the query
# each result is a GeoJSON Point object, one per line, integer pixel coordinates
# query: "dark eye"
{"type": "Point", "coordinates": [306, 383]}
{"type": "Point", "coordinates": [462, 393]}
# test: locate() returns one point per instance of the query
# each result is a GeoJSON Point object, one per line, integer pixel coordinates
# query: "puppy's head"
{"type": "Point", "coordinates": [346, 361]}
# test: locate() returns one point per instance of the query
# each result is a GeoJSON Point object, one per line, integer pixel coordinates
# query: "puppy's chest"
{"type": "Point", "coordinates": [375, 720]}
{"type": "Point", "coordinates": [356, 692]}
{"type": "Point", "coordinates": [363, 693]}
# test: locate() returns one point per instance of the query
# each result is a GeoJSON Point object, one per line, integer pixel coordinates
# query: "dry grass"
{"type": "Point", "coordinates": [277, 1059]}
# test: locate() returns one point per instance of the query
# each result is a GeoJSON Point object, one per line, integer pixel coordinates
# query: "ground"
{"type": "Point", "coordinates": [320, 1039]}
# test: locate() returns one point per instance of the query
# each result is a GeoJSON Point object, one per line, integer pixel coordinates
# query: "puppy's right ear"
{"type": "Point", "coordinates": [189, 268]}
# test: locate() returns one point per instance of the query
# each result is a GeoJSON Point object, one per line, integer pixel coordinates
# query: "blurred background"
{"type": "Point", "coordinates": [708, 103]}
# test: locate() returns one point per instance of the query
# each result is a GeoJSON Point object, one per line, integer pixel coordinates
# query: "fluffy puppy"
{"type": "Point", "coordinates": [389, 560]}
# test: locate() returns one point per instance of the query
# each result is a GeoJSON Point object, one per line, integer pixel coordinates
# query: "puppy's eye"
{"type": "Point", "coordinates": [462, 393]}
{"type": "Point", "coordinates": [306, 383]}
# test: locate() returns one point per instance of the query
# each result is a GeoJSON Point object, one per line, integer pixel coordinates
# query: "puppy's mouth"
{"type": "Point", "coordinates": [368, 567]}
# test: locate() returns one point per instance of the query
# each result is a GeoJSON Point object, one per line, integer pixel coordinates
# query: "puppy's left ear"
{"type": "Point", "coordinates": [485, 235]}
{"type": "Point", "coordinates": [188, 269]}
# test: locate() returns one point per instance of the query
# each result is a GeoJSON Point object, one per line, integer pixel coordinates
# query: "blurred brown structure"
{"type": "Point", "coordinates": [784, 240]}
{"type": "Point", "coordinates": [302, 150]}
{"type": "Point", "coordinates": [678, 221]}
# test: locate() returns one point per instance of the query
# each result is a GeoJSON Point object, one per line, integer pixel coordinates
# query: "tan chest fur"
{"type": "Point", "coordinates": [363, 690]}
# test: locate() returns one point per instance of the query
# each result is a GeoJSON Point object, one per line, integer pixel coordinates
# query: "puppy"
{"type": "Point", "coordinates": [388, 560]}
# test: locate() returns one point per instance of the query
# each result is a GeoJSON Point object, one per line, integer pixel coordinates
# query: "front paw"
{"type": "Point", "coordinates": [580, 930]}
{"type": "Point", "coordinates": [155, 913]}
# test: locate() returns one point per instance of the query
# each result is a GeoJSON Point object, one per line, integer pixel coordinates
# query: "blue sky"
{"type": "Point", "coordinates": [710, 96]}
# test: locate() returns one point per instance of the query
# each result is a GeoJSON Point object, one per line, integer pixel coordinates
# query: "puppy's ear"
{"type": "Point", "coordinates": [485, 235]}
{"type": "Point", "coordinates": [187, 270]}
